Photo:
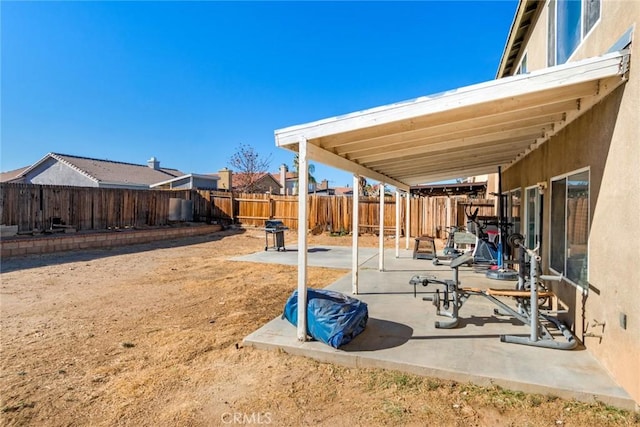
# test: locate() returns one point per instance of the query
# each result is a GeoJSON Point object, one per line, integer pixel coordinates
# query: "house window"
{"type": "Point", "coordinates": [522, 68]}
{"type": "Point", "coordinates": [513, 210]}
{"type": "Point", "coordinates": [533, 209]}
{"type": "Point", "coordinates": [569, 23]}
{"type": "Point", "coordinates": [570, 227]}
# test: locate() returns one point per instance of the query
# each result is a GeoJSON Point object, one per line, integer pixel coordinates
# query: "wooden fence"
{"type": "Point", "coordinates": [429, 215]}
{"type": "Point", "coordinates": [33, 207]}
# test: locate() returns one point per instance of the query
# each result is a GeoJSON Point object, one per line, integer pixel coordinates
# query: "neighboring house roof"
{"type": "Point", "coordinates": [343, 191]}
{"type": "Point", "coordinates": [109, 171]}
{"type": "Point", "coordinates": [259, 180]}
{"type": "Point", "coordinates": [11, 175]}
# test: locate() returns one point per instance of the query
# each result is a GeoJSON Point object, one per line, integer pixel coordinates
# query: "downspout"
{"type": "Point", "coordinates": [355, 229]}
{"type": "Point", "coordinates": [303, 216]}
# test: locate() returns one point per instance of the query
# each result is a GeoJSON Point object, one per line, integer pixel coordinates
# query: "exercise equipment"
{"type": "Point", "coordinates": [485, 251]}
{"type": "Point", "coordinates": [501, 272]}
{"type": "Point", "coordinates": [535, 304]}
{"type": "Point", "coordinates": [425, 248]}
{"type": "Point", "coordinates": [456, 238]}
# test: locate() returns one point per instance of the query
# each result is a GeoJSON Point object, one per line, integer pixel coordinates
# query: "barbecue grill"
{"type": "Point", "coordinates": [276, 229]}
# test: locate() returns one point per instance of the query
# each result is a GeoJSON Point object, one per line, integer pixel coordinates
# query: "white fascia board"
{"type": "Point", "coordinates": [35, 165]}
{"type": "Point", "coordinates": [201, 176]}
{"type": "Point", "coordinates": [169, 181]}
{"type": "Point", "coordinates": [189, 175]}
{"type": "Point", "coordinates": [548, 78]}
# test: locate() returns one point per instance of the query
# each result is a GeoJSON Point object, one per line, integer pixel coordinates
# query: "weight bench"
{"type": "Point", "coordinates": [451, 297]}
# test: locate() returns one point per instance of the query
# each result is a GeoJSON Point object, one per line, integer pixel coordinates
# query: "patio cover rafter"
{"type": "Point", "coordinates": [473, 129]}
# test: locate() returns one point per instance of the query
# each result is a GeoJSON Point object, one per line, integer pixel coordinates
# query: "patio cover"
{"type": "Point", "coordinates": [464, 132]}
{"type": "Point", "coordinates": [460, 133]}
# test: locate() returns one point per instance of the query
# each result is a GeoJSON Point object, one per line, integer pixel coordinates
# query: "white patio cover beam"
{"type": "Point", "coordinates": [303, 216]}
{"type": "Point", "coordinates": [331, 159]}
{"type": "Point", "coordinates": [355, 228]}
{"type": "Point", "coordinates": [381, 236]}
{"type": "Point", "coordinates": [407, 226]}
{"type": "Point", "coordinates": [398, 201]}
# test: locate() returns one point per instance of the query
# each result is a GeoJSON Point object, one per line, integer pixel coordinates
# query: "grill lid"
{"type": "Point", "coordinates": [275, 225]}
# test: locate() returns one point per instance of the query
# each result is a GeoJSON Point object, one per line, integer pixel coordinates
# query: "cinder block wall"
{"type": "Point", "coordinates": [69, 242]}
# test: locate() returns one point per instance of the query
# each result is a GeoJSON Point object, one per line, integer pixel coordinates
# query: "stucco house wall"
{"type": "Point", "coordinates": [52, 172]}
{"type": "Point", "coordinates": [190, 183]}
{"type": "Point", "coordinates": [204, 184]}
{"type": "Point", "coordinates": [606, 140]}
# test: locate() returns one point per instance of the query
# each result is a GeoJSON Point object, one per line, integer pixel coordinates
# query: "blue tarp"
{"type": "Point", "coordinates": [332, 317]}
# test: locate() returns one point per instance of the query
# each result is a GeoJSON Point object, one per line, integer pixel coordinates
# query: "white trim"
{"type": "Point", "coordinates": [519, 67]}
{"type": "Point", "coordinates": [189, 175]}
{"type": "Point", "coordinates": [583, 36]}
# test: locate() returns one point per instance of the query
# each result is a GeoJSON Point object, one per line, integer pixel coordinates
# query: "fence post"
{"type": "Point", "coordinates": [272, 207]}
{"type": "Point", "coordinates": [232, 213]}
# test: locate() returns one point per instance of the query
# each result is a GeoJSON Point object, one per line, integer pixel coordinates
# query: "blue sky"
{"type": "Point", "coordinates": [188, 82]}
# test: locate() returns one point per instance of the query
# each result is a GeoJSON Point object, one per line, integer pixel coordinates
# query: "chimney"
{"type": "Point", "coordinates": [153, 163]}
{"type": "Point", "coordinates": [225, 179]}
{"type": "Point", "coordinates": [283, 178]}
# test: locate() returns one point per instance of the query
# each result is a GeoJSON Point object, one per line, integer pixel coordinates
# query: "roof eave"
{"type": "Point", "coordinates": [527, 9]}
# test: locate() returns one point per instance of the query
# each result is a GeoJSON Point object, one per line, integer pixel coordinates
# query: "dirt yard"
{"type": "Point", "coordinates": [152, 335]}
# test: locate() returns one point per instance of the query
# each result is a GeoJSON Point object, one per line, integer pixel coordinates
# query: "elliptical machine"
{"type": "Point", "coordinates": [485, 251]}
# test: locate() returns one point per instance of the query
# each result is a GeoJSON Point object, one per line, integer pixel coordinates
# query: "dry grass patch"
{"type": "Point", "coordinates": [153, 337]}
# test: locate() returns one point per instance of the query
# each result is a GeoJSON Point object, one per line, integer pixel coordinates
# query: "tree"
{"type": "Point", "coordinates": [310, 169]}
{"type": "Point", "coordinates": [249, 167]}
{"type": "Point", "coordinates": [364, 188]}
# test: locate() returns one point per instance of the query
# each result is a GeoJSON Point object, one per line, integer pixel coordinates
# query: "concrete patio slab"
{"type": "Point", "coordinates": [401, 334]}
{"type": "Point", "coordinates": [317, 256]}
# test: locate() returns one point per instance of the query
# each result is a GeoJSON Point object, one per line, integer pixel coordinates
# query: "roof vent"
{"type": "Point", "coordinates": [153, 163]}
